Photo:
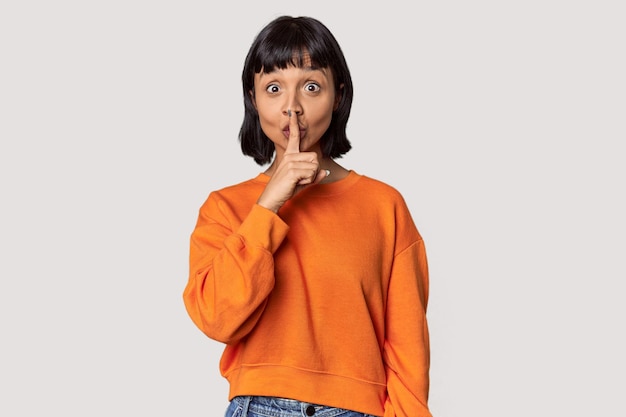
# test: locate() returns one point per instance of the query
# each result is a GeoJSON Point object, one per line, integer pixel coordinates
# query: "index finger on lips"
{"type": "Point", "coordinates": [293, 143]}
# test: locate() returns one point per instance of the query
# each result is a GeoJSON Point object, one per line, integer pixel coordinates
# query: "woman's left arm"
{"type": "Point", "coordinates": [407, 348]}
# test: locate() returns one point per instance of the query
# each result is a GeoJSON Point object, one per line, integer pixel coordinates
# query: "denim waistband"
{"type": "Point", "coordinates": [285, 407]}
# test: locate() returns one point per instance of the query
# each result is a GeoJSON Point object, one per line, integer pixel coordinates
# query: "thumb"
{"type": "Point", "coordinates": [323, 173]}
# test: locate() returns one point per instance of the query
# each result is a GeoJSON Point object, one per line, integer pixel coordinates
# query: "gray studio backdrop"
{"type": "Point", "coordinates": [502, 123]}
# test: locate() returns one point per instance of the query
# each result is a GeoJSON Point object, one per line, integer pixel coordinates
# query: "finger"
{"type": "Point", "coordinates": [293, 144]}
{"type": "Point", "coordinates": [323, 173]}
{"type": "Point", "coordinates": [306, 174]}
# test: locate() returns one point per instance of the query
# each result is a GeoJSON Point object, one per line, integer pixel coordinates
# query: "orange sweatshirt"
{"type": "Point", "coordinates": [324, 302]}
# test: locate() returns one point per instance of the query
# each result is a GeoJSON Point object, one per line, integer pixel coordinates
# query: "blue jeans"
{"type": "Point", "coordinates": [282, 407]}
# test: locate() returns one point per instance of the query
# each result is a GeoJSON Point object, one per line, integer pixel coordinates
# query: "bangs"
{"type": "Point", "coordinates": [290, 48]}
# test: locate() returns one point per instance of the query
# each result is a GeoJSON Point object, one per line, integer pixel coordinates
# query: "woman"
{"type": "Point", "coordinates": [314, 276]}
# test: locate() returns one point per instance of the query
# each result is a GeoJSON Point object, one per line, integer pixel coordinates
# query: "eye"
{"type": "Point", "coordinates": [312, 87]}
{"type": "Point", "coordinates": [272, 88]}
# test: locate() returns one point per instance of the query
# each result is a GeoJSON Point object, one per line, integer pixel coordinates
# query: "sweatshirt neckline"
{"type": "Point", "coordinates": [327, 189]}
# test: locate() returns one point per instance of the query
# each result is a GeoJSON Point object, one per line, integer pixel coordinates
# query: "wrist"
{"type": "Point", "coordinates": [271, 207]}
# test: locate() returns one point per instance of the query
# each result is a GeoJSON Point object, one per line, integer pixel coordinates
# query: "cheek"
{"type": "Point", "coordinates": [323, 116]}
{"type": "Point", "coordinates": [267, 109]}
{"type": "Point", "coordinates": [270, 122]}
{"type": "Point", "coordinates": [265, 114]}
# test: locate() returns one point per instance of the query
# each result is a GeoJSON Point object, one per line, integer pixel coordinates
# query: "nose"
{"type": "Point", "coordinates": [292, 109]}
{"type": "Point", "coordinates": [293, 104]}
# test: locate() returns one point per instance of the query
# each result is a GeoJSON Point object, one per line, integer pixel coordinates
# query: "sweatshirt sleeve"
{"type": "Point", "coordinates": [231, 272]}
{"type": "Point", "coordinates": [406, 349]}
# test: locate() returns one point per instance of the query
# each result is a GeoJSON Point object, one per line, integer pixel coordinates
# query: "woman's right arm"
{"type": "Point", "coordinates": [231, 272]}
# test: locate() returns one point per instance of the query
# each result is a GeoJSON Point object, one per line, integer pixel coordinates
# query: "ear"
{"type": "Point", "coordinates": [251, 92]}
{"type": "Point", "coordinates": [338, 97]}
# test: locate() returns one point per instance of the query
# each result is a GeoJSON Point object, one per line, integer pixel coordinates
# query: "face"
{"type": "Point", "coordinates": [309, 94]}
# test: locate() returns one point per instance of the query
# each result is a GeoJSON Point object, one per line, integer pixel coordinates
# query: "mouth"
{"type": "Point", "coordinates": [286, 132]}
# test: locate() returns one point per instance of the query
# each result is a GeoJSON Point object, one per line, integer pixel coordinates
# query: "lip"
{"type": "Point", "coordinates": [286, 131]}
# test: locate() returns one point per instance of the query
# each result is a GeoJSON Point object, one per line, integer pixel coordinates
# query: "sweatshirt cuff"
{"type": "Point", "coordinates": [263, 228]}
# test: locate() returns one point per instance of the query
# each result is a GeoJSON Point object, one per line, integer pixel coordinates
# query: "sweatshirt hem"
{"type": "Point", "coordinates": [309, 386]}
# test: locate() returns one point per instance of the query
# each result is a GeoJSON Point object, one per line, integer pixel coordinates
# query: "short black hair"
{"type": "Point", "coordinates": [288, 41]}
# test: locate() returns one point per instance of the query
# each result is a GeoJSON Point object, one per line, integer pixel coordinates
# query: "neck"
{"type": "Point", "coordinates": [337, 172]}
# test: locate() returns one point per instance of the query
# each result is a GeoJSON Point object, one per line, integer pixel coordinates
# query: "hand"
{"type": "Point", "coordinates": [294, 171]}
